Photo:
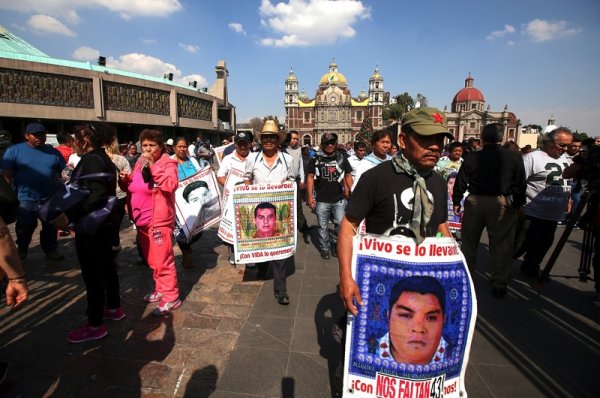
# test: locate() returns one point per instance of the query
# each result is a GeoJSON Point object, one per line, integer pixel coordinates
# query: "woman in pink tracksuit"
{"type": "Point", "coordinates": [151, 191]}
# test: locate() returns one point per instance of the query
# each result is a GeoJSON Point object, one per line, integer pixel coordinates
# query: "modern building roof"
{"type": "Point", "coordinates": [14, 47]}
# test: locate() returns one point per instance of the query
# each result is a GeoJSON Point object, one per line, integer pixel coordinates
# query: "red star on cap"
{"type": "Point", "coordinates": [437, 118]}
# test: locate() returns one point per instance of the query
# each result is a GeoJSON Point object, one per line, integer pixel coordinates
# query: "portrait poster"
{"type": "Point", "coordinates": [412, 335]}
{"type": "Point", "coordinates": [219, 152]}
{"type": "Point", "coordinates": [264, 222]}
{"type": "Point", "coordinates": [235, 177]}
{"type": "Point", "coordinates": [454, 221]}
{"type": "Point", "coordinates": [198, 202]}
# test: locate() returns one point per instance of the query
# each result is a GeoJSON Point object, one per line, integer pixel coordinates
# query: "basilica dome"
{"type": "Point", "coordinates": [468, 93]}
{"type": "Point", "coordinates": [333, 78]}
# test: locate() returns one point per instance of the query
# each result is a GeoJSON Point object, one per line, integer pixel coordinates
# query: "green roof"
{"type": "Point", "coordinates": [13, 47]}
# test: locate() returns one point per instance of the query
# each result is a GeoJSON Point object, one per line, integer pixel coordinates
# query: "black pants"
{"type": "Point", "coordinates": [534, 238]}
{"type": "Point", "coordinates": [279, 268]}
{"type": "Point", "coordinates": [300, 218]}
{"type": "Point", "coordinates": [99, 271]}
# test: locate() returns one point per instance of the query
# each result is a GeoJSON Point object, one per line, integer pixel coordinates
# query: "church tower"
{"type": "Point", "coordinates": [291, 90]}
{"type": "Point", "coordinates": [376, 95]}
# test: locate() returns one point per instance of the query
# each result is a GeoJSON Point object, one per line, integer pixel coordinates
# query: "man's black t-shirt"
{"type": "Point", "coordinates": [329, 177]}
{"type": "Point", "coordinates": [384, 198]}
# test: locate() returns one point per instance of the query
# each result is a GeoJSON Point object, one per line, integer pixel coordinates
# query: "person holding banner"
{"type": "Point", "coordinates": [187, 166]}
{"type": "Point", "coordinates": [235, 160]}
{"type": "Point", "coordinates": [403, 196]}
{"type": "Point", "coordinates": [271, 166]}
{"type": "Point", "coordinates": [151, 188]}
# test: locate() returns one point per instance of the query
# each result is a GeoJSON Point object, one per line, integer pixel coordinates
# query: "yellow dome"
{"type": "Point", "coordinates": [333, 78]}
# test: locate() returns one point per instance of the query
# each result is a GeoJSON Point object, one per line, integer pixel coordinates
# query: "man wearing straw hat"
{"type": "Point", "coordinates": [271, 166]}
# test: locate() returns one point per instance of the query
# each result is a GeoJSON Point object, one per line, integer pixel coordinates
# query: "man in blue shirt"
{"type": "Point", "coordinates": [33, 167]}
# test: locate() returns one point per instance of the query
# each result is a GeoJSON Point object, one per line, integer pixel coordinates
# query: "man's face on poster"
{"type": "Point", "coordinates": [265, 222]}
{"type": "Point", "coordinates": [415, 327]}
{"type": "Point", "coordinates": [197, 198]}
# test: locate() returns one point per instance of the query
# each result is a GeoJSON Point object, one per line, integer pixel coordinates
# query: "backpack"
{"type": "Point", "coordinates": [8, 202]}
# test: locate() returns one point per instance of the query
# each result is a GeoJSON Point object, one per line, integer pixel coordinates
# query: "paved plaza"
{"type": "Point", "coordinates": [231, 338]}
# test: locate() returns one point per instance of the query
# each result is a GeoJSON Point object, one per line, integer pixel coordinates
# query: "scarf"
{"type": "Point", "coordinates": [423, 205]}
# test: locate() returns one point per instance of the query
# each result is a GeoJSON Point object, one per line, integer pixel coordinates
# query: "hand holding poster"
{"type": "Point", "coordinates": [265, 222]}
{"type": "Point", "coordinates": [413, 333]}
{"type": "Point", "coordinates": [235, 177]}
{"type": "Point", "coordinates": [197, 202]}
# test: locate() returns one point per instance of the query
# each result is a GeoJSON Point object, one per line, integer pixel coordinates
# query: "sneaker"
{"type": "Point", "coordinates": [116, 315]}
{"type": "Point", "coordinates": [153, 297]}
{"type": "Point", "coordinates": [334, 251]}
{"type": "Point", "coordinates": [165, 307]}
{"type": "Point", "coordinates": [87, 333]}
{"type": "Point", "coordinates": [325, 254]}
{"type": "Point", "coordinates": [282, 297]}
{"type": "Point", "coordinates": [597, 300]}
{"type": "Point", "coordinates": [231, 259]}
{"type": "Point", "coordinates": [54, 255]}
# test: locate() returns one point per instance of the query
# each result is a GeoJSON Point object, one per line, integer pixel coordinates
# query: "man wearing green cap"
{"type": "Point", "coordinates": [403, 196]}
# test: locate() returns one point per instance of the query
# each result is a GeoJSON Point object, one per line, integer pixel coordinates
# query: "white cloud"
{"type": "Point", "coordinates": [510, 43]}
{"type": "Point", "coordinates": [43, 24]}
{"type": "Point", "coordinates": [142, 63]}
{"type": "Point", "coordinates": [149, 41]}
{"type": "Point", "coordinates": [539, 30]}
{"type": "Point", "coordinates": [201, 80]}
{"type": "Point", "coordinates": [72, 17]}
{"type": "Point", "coordinates": [65, 8]}
{"type": "Point", "coordinates": [508, 29]}
{"type": "Point", "coordinates": [190, 48]}
{"type": "Point", "coordinates": [237, 27]}
{"type": "Point", "coordinates": [85, 54]}
{"type": "Point", "coordinates": [310, 22]}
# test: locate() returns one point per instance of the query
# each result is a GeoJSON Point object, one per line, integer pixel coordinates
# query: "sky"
{"type": "Point", "coordinates": [539, 57]}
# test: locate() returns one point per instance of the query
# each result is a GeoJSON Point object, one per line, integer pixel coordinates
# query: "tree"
{"type": "Point", "coordinates": [394, 111]}
{"type": "Point", "coordinates": [256, 124]}
{"type": "Point", "coordinates": [422, 100]}
{"type": "Point", "coordinates": [405, 102]}
{"type": "Point", "coordinates": [366, 130]}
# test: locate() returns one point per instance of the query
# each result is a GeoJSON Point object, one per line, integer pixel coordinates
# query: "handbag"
{"type": "Point", "coordinates": [8, 202]}
{"type": "Point", "coordinates": [90, 223]}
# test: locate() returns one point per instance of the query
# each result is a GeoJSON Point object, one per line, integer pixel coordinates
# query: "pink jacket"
{"type": "Point", "coordinates": [164, 174]}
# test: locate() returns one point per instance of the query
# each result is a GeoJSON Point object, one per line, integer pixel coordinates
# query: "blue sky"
{"type": "Point", "coordinates": [539, 57]}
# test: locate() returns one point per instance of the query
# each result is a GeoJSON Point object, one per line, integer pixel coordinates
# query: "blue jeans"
{"type": "Point", "coordinates": [326, 212]}
{"type": "Point", "coordinates": [27, 222]}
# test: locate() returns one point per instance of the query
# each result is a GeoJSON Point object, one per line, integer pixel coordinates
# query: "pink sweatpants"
{"type": "Point", "coordinates": [158, 249]}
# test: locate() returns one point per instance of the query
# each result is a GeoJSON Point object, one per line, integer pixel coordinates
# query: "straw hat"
{"type": "Point", "coordinates": [270, 127]}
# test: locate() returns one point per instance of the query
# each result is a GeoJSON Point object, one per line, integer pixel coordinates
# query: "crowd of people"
{"type": "Point", "coordinates": [394, 182]}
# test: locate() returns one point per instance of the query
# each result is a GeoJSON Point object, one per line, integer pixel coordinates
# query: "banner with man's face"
{"type": "Point", "coordinates": [265, 222]}
{"type": "Point", "coordinates": [198, 202]}
{"type": "Point", "coordinates": [411, 337]}
{"type": "Point", "coordinates": [226, 228]}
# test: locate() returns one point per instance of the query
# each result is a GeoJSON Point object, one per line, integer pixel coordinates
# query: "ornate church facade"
{"type": "Point", "coordinates": [469, 115]}
{"type": "Point", "coordinates": [332, 109]}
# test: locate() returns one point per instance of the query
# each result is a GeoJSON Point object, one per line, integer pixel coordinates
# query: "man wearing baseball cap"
{"type": "Point", "coordinates": [403, 196]}
{"type": "Point", "coordinates": [34, 168]}
{"type": "Point", "coordinates": [327, 174]}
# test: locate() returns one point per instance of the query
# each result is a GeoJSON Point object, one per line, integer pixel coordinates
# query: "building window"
{"type": "Point", "coordinates": [451, 131]}
{"type": "Point", "coordinates": [376, 84]}
{"type": "Point", "coordinates": [473, 106]}
{"type": "Point", "coordinates": [511, 133]}
{"type": "Point", "coordinates": [306, 117]}
{"type": "Point", "coordinates": [472, 125]}
{"type": "Point", "coordinates": [359, 116]}
{"type": "Point", "coordinates": [376, 97]}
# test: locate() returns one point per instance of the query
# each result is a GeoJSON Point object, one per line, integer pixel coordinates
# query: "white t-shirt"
{"type": "Point", "coordinates": [231, 161]}
{"type": "Point", "coordinates": [367, 163]}
{"type": "Point", "coordinates": [547, 192]}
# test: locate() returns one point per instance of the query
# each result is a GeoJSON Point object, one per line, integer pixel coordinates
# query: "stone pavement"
{"type": "Point", "coordinates": [231, 338]}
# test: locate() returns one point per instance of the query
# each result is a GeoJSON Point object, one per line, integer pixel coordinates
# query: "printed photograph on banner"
{"type": "Point", "coordinates": [198, 202]}
{"type": "Point", "coordinates": [235, 177]}
{"type": "Point", "coordinates": [454, 221]}
{"type": "Point", "coordinates": [264, 222]}
{"type": "Point", "coordinates": [414, 330]}
{"type": "Point", "coordinates": [219, 152]}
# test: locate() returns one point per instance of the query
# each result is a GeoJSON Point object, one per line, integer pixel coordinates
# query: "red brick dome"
{"type": "Point", "coordinates": [468, 93]}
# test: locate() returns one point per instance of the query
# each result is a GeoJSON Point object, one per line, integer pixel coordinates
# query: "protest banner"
{"type": "Point", "coordinates": [454, 221]}
{"type": "Point", "coordinates": [412, 335]}
{"type": "Point", "coordinates": [197, 202]}
{"type": "Point", "coordinates": [264, 222]}
{"type": "Point", "coordinates": [226, 229]}
{"type": "Point", "coordinates": [219, 152]}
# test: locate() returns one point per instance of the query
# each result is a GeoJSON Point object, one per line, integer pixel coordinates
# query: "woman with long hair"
{"type": "Point", "coordinates": [122, 164]}
{"type": "Point", "coordinates": [151, 191]}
